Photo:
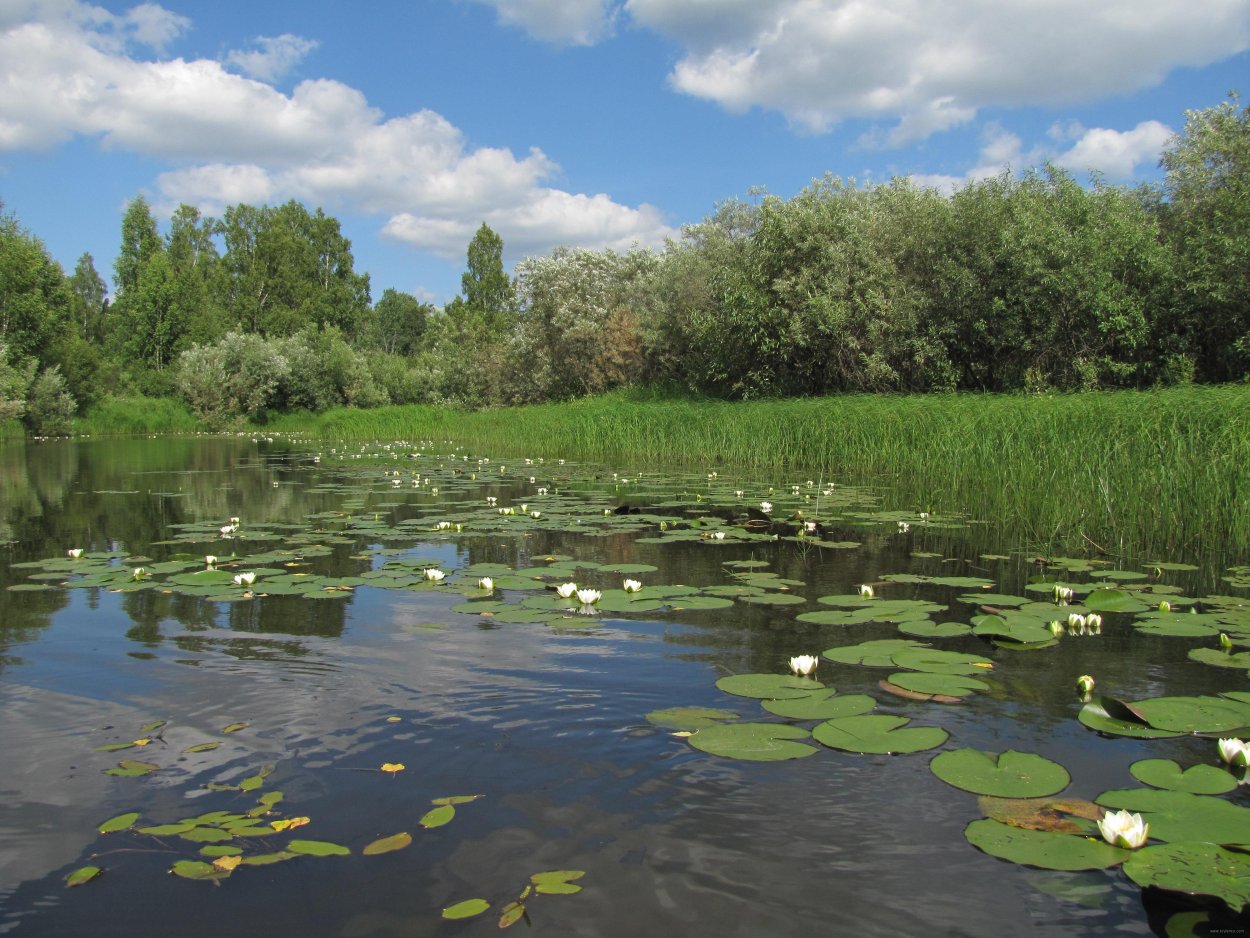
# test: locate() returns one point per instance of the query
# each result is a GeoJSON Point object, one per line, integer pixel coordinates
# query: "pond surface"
{"type": "Point", "coordinates": [345, 655]}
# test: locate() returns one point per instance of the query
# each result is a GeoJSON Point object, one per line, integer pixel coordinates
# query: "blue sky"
{"type": "Point", "coordinates": [592, 123]}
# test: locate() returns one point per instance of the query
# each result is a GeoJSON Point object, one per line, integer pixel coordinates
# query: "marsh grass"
{"type": "Point", "coordinates": [137, 415]}
{"type": "Point", "coordinates": [1148, 472]}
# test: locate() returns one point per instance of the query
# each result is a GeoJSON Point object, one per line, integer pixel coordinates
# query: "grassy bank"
{"type": "Point", "coordinates": [1164, 471]}
{"type": "Point", "coordinates": [138, 415]}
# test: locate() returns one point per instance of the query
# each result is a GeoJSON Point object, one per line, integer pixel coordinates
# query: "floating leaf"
{"type": "Point", "coordinates": [689, 718]}
{"type": "Point", "coordinates": [197, 869]}
{"type": "Point", "coordinates": [167, 830]}
{"type": "Point", "coordinates": [879, 734]}
{"type": "Point", "coordinates": [388, 844]}
{"type": "Point", "coordinates": [1193, 714]}
{"type": "Point", "coordinates": [511, 913]}
{"type": "Point", "coordinates": [768, 686]}
{"type": "Point", "coordinates": [756, 742]}
{"type": "Point", "coordinates": [874, 654]}
{"type": "Point", "coordinates": [466, 909]}
{"type": "Point", "coordinates": [935, 661]}
{"type": "Point", "coordinates": [132, 768]}
{"type": "Point", "coordinates": [119, 823]}
{"type": "Point", "coordinates": [438, 816]}
{"type": "Point", "coordinates": [317, 848]}
{"type": "Point", "coordinates": [1198, 779]}
{"type": "Point", "coordinates": [82, 875]}
{"type": "Point", "coordinates": [942, 685]}
{"type": "Point", "coordinates": [1095, 715]}
{"type": "Point", "coordinates": [557, 882]}
{"type": "Point", "coordinates": [1009, 774]}
{"type": "Point", "coordinates": [1043, 814]}
{"type": "Point", "coordinates": [1203, 869]}
{"type": "Point", "coordinates": [227, 863]}
{"type": "Point", "coordinates": [392, 767]}
{"type": "Point", "coordinates": [202, 747]}
{"type": "Point", "coordinates": [822, 705]}
{"type": "Point", "coordinates": [1044, 849]}
{"type": "Point", "coordinates": [1176, 816]}
{"type": "Point", "coordinates": [266, 859]}
{"type": "Point", "coordinates": [1113, 600]}
{"type": "Point", "coordinates": [456, 799]}
{"type": "Point", "coordinates": [235, 727]}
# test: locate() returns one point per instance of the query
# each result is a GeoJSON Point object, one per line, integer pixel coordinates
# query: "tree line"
{"type": "Point", "coordinates": [1011, 283]}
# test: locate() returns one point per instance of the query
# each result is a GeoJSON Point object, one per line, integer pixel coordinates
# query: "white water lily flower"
{"type": "Point", "coordinates": [903, 527]}
{"type": "Point", "coordinates": [804, 665]}
{"type": "Point", "coordinates": [486, 583]}
{"type": "Point", "coordinates": [589, 597]}
{"type": "Point", "coordinates": [210, 560]}
{"type": "Point", "coordinates": [536, 514]}
{"type": "Point", "coordinates": [235, 522]}
{"type": "Point", "coordinates": [1085, 683]}
{"type": "Point", "coordinates": [1122, 829]}
{"type": "Point", "coordinates": [1076, 620]}
{"type": "Point", "coordinates": [434, 575]}
{"type": "Point", "coordinates": [1235, 752]}
{"type": "Point", "coordinates": [491, 499]}
{"type": "Point", "coordinates": [1063, 595]}
{"type": "Point", "coordinates": [1094, 621]}
{"type": "Point", "coordinates": [74, 552]}
{"type": "Point", "coordinates": [443, 526]}
{"type": "Point", "coordinates": [738, 493]}
{"type": "Point", "coordinates": [137, 573]}
{"type": "Point", "coordinates": [542, 491]}
{"type": "Point", "coordinates": [866, 591]}
{"type": "Point", "coordinates": [244, 579]}
{"type": "Point", "coordinates": [719, 535]}
{"type": "Point", "coordinates": [766, 507]}
{"type": "Point", "coordinates": [632, 586]}
{"type": "Point", "coordinates": [227, 530]}
{"type": "Point", "coordinates": [565, 590]}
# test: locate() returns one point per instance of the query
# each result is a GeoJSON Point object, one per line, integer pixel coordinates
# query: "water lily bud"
{"type": "Point", "coordinates": [1085, 683]}
{"type": "Point", "coordinates": [1225, 641]}
{"type": "Point", "coordinates": [1165, 606]}
{"type": "Point", "coordinates": [866, 591]}
{"type": "Point", "coordinates": [804, 665]}
{"type": "Point", "coordinates": [719, 535]}
{"type": "Point", "coordinates": [1076, 620]}
{"type": "Point", "coordinates": [137, 573]}
{"type": "Point", "coordinates": [1056, 627]}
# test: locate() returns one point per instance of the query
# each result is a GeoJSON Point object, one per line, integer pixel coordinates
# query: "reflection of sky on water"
{"type": "Point", "coordinates": [548, 725]}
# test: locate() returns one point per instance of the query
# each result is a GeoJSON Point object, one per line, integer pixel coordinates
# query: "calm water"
{"type": "Point", "coordinates": [547, 724]}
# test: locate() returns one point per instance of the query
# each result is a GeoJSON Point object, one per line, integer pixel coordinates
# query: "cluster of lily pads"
{"type": "Point", "coordinates": [226, 841]}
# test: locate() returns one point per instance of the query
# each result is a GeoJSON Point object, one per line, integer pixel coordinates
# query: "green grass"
{"type": "Point", "coordinates": [1164, 472]}
{"type": "Point", "coordinates": [137, 415]}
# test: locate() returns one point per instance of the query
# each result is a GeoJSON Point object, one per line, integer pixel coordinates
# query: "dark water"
{"type": "Point", "coordinates": [548, 725]}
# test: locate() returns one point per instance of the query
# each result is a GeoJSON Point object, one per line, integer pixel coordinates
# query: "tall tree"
{"type": "Point", "coordinates": [140, 240]}
{"type": "Point", "coordinates": [488, 291]}
{"type": "Point", "coordinates": [89, 298]}
{"type": "Point", "coordinates": [1208, 222]}
{"type": "Point", "coordinates": [194, 261]}
{"type": "Point", "coordinates": [34, 300]}
{"type": "Point", "coordinates": [397, 323]}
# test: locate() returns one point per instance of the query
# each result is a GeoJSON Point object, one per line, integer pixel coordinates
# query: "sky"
{"type": "Point", "coordinates": [585, 123]}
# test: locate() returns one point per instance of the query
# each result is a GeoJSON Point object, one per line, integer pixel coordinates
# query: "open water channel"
{"type": "Point", "coordinates": [350, 686]}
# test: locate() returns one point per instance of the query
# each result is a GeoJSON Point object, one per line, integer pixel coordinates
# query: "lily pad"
{"type": "Point", "coordinates": [388, 844]}
{"type": "Point", "coordinates": [1176, 816]}
{"type": "Point", "coordinates": [879, 734]}
{"type": "Point", "coordinates": [1043, 849]}
{"type": "Point", "coordinates": [689, 718]}
{"type": "Point", "coordinates": [756, 742]}
{"type": "Point", "coordinates": [768, 686]}
{"type": "Point", "coordinates": [823, 705]}
{"type": "Point", "coordinates": [874, 654]}
{"type": "Point", "coordinates": [1198, 779]}
{"type": "Point", "coordinates": [1096, 716]}
{"type": "Point", "coordinates": [1202, 869]}
{"type": "Point", "coordinates": [466, 909]}
{"type": "Point", "coordinates": [317, 848]}
{"type": "Point", "coordinates": [1009, 774]}
{"type": "Point", "coordinates": [82, 875]}
{"type": "Point", "coordinates": [936, 661]}
{"type": "Point", "coordinates": [942, 685]}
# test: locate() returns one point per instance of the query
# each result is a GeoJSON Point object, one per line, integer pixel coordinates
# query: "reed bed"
{"type": "Point", "coordinates": [117, 416]}
{"type": "Point", "coordinates": [1157, 473]}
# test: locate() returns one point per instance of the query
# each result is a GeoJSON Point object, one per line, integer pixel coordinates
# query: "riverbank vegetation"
{"type": "Point", "coordinates": [1013, 283]}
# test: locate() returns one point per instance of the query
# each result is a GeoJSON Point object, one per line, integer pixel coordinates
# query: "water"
{"type": "Point", "coordinates": [548, 725]}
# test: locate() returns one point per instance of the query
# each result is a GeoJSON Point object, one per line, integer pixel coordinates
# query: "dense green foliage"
{"type": "Point", "coordinates": [1033, 283]}
{"type": "Point", "coordinates": [1161, 470]}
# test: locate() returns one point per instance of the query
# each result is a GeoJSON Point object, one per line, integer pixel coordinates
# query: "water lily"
{"type": "Point", "coordinates": [1063, 595]}
{"type": "Point", "coordinates": [903, 527]}
{"type": "Point", "coordinates": [1122, 829]}
{"type": "Point", "coordinates": [434, 575]}
{"type": "Point", "coordinates": [766, 507]}
{"type": "Point", "coordinates": [1235, 752]}
{"type": "Point", "coordinates": [1225, 642]}
{"type": "Point", "coordinates": [719, 535]}
{"type": "Point", "coordinates": [804, 665]}
{"type": "Point", "coordinates": [1085, 683]}
{"type": "Point", "coordinates": [536, 515]}
{"type": "Point", "coordinates": [244, 579]}
{"type": "Point", "coordinates": [1076, 620]}
{"type": "Point", "coordinates": [542, 491]}
{"type": "Point", "coordinates": [137, 573]}
{"type": "Point", "coordinates": [228, 529]}
{"type": "Point", "coordinates": [235, 521]}
{"type": "Point", "coordinates": [1094, 622]}
{"type": "Point", "coordinates": [1165, 606]}
{"type": "Point", "coordinates": [74, 552]}
{"type": "Point", "coordinates": [443, 526]}
{"type": "Point", "coordinates": [1055, 626]}
{"type": "Point", "coordinates": [491, 499]}
{"type": "Point", "coordinates": [631, 586]}
{"type": "Point", "coordinates": [565, 590]}
{"type": "Point", "coordinates": [738, 493]}
{"type": "Point", "coordinates": [486, 583]}
{"type": "Point", "coordinates": [589, 597]}
{"type": "Point", "coordinates": [210, 560]}
{"type": "Point", "coordinates": [866, 591]}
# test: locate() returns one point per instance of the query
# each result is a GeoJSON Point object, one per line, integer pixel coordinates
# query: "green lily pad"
{"type": "Point", "coordinates": [756, 742]}
{"type": "Point", "coordinates": [689, 718]}
{"type": "Point", "coordinates": [768, 686]}
{"type": "Point", "coordinates": [1202, 869]}
{"type": "Point", "coordinates": [197, 869]}
{"type": "Point", "coordinates": [466, 909]}
{"type": "Point", "coordinates": [387, 844]}
{"type": "Point", "coordinates": [1198, 779]}
{"type": "Point", "coordinates": [878, 653]}
{"type": "Point", "coordinates": [317, 848]}
{"type": "Point", "coordinates": [1009, 774]}
{"type": "Point", "coordinates": [1220, 658]}
{"type": "Point", "coordinates": [823, 705]}
{"type": "Point", "coordinates": [1097, 716]}
{"type": "Point", "coordinates": [929, 629]}
{"type": "Point", "coordinates": [879, 734]}
{"type": "Point", "coordinates": [1012, 627]}
{"type": "Point", "coordinates": [119, 823]}
{"type": "Point", "coordinates": [936, 661]}
{"type": "Point", "coordinates": [1176, 816]}
{"type": "Point", "coordinates": [437, 817]}
{"type": "Point", "coordinates": [1193, 714]}
{"type": "Point", "coordinates": [944, 685]}
{"type": "Point", "coordinates": [1043, 849]}
{"type": "Point", "coordinates": [82, 875]}
{"type": "Point", "coordinates": [1113, 600]}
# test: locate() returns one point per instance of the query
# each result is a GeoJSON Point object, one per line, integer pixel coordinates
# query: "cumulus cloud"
{"type": "Point", "coordinates": [271, 57]}
{"type": "Point", "coordinates": [575, 22]}
{"type": "Point", "coordinates": [922, 66]}
{"type": "Point", "coordinates": [67, 69]}
{"type": "Point", "coordinates": [1111, 153]}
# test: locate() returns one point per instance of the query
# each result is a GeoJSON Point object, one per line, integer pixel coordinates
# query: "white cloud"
{"type": "Point", "coordinates": [1116, 154]}
{"type": "Point", "coordinates": [576, 22]}
{"type": "Point", "coordinates": [231, 138]}
{"type": "Point", "coordinates": [272, 57]}
{"type": "Point", "coordinates": [928, 65]}
{"type": "Point", "coordinates": [1111, 153]}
